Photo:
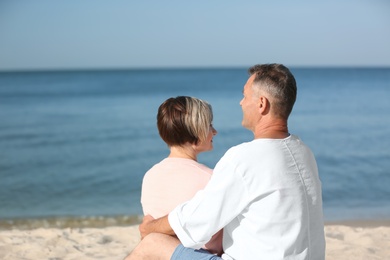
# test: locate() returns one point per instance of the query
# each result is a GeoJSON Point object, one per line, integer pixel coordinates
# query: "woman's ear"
{"type": "Point", "coordinates": [196, 146]}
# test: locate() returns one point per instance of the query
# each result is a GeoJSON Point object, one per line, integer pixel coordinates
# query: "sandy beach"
{"type": "Point", "coordinates": [352, 240]}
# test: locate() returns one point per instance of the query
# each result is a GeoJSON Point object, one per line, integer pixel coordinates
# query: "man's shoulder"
{"type": "Point", "coordinates": [262, 145]}
{"type": "Point", "coordinates": [237, 147]}
{"type": "Point", "coordinates": [239, 150]}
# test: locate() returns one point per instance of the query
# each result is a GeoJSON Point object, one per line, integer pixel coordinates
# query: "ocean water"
{"type": "Point", "coordinates": [74, 145]}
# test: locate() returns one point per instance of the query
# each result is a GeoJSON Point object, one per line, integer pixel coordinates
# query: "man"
{"type": "Point", "coordinates": [265, 194]}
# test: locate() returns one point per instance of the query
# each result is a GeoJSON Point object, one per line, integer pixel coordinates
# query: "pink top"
{"type": "Point", "coordinates": [172, 182]}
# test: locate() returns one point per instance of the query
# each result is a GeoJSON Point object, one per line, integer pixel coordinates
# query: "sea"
{"type": "Point", "coordinates": [75, 145]}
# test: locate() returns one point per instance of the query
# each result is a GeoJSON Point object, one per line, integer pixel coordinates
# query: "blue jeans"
{"type": "Point", "coordinates": [186, 253]}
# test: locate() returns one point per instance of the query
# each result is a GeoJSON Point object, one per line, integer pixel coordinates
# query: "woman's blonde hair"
{"type": "Point", "coordinates": [184, 119]}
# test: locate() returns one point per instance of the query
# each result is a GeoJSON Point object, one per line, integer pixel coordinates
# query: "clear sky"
{"type": "Point", "coordinates": [75, 34]}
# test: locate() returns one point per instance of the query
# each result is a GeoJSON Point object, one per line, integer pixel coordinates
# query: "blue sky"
{"type": "Point", "coordinates": [77, 34]}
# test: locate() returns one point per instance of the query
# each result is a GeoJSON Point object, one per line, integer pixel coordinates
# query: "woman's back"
{"type": "Point", "coordinates": [170, 183]}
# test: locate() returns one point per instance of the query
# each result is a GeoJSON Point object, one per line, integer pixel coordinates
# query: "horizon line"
{"type": "Point", "coordinates": [130, 68]}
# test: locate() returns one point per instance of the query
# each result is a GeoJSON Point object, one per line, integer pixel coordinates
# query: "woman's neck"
{"type": "Point", "coordinates": [185, 151]}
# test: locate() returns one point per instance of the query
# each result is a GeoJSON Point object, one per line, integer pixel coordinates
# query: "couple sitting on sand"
{"type": "Point", "coordinates": [263, 199]}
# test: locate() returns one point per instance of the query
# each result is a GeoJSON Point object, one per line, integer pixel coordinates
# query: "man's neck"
{"type": "Point", "coordinates": [277, 129]}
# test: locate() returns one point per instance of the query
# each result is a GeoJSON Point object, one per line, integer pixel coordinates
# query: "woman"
{"type": "Point", "coordinates": [185, 125]}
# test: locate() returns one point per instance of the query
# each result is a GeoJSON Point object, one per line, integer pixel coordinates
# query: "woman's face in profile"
{"type": "Point", "coordinates": [207, 144]}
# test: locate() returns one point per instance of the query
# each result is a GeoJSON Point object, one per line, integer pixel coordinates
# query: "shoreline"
{"type": "Point", "coordinates": [70, 222]}
{"type": "Point", "coordinates": [356, 239]}
{"type": "Point", "coordinates": [363, 223]}
{"type": "Point", "coordinates": [131, 220]}
{"type": "Point", "coordinates": [103, 222]}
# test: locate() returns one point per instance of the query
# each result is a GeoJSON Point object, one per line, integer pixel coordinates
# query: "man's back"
{"type": "Point", "coordinates": [266, 194]}
{"type": "Point", "coordinates": [282, 210]}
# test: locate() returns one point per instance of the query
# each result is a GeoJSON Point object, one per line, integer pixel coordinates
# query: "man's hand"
{"type": "Point", "coordinates": [145, 228]}
{"type": "Point", "coordinates": [151, 225]}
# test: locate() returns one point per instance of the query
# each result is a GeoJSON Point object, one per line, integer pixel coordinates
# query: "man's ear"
{"type": "Point", "coordinates": [263, 105]}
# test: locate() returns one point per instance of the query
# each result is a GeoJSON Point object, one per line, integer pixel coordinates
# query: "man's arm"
{"type": "Point", "coordinates": [151, 225]}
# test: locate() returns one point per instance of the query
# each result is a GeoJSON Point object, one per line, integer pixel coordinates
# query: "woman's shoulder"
{"type": "Point", "coordinates": [174, 165]}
